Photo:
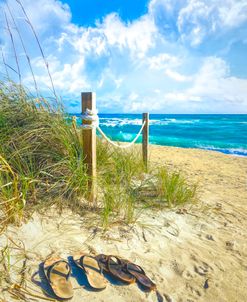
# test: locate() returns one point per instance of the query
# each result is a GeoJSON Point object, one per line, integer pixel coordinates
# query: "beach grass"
{"type": "Point", "coordinates": [173, 188]}
{"type": "Point", "coordinates": [13, 273]}
{"type": "Point", "coordinates": [42, 160]}
{"type": "Point", "coordinates": [41, 157]}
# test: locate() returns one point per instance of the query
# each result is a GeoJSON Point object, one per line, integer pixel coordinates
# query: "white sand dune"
{"type": "Point", "coordinates": [198, 253]}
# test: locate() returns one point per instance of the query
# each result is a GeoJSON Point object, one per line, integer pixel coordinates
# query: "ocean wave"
{"type": "Point", "coordinates": [178, 121]}
{"type": "Point", "coordinates": [121, 122]}
{"type": "Point", "coordinates": [232, 151]}
{"type": "Point", "coordinates": [118, 122]}
{"type": "Point", "coordinates": [127, 136]}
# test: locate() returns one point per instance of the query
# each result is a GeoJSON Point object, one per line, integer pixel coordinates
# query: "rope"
{"type": "Point", "coordinates": [121, 146]}
{"type": "Point", "coordinates": [92, 116]}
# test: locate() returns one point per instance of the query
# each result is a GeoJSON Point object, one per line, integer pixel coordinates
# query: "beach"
{"type": "Point", "coordinates": [196, 252]}
{"type": "Point", "coordinates": [123, 138]}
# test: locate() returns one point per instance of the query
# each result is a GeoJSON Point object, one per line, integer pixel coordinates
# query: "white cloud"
{"type": "Point", "coordinates": [46, 15]}
{"type": "Point", "coordinates": [83, 47]}
{"type": "Point", "coordinates": [137, 36]}
{"type": "Point", "coordinates": [213, 81]}
{"type": "Point", "coordinates": [118, 82]}
{"type": "Point", "coordinates": [177, 97]}
{"type": "Point", "coordinates": [161, 61]}
{"type": "Point", "coordinates": [213, 84]}
{"type": "Point", "coordinates": [133, 96]}
{"type": "Point", "coordinates": [233, 13]}
{"type": "Point", "coordinates": [144, 65]}
{"type": "Point", "coordinates": [177, 76]}
{"type": "Point", "coordinates": [193, 21]}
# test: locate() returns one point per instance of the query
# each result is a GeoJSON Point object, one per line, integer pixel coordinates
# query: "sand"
{"type": "Point", "coordinates": [197, 253]}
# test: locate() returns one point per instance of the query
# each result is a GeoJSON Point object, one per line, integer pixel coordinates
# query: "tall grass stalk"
{"type": "Point", "coordinates": [5, 66]}
{"type": "Point", "coordinates": [40, 48]}
{"type": "Point", "coordinates": [13, 45]}
{"type": "Point", "coordinates": [24, 49]}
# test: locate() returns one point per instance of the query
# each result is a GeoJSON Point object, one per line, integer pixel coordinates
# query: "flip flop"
{"type": "Point", "coordinates": [102, 261]}
{"type": "Point", "coordinates": [136, 271]}
{"type": "Point", "coordinates": [116, 267]}
{"type": "Point", "coordinates": [91, 268]}
{"type": "Point", "coordinates": [57, 272]}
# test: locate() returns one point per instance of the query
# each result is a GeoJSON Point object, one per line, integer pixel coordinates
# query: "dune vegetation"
{"type": "Point", "coordinates": [42, 161]}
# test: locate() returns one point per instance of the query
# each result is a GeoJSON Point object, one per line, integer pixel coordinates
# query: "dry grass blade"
{"type": "Point", "coordinates": [39, 45]}
{"type": "Point", "coordinates": [13, 45]}
{"type": "Point", "coordinates": [9, 192]}
{"type": "Point", "coordinates": [5, 66]}
{"type": "Point", "coordinates": [25, 50]}
{"type": "Point", "coordinates": [23, 293]}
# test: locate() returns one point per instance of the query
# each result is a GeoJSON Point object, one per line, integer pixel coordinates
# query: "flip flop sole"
{"type": "Point", "coordinates": [57, 271]}
{"type": "Point", "coordinates": [89, 265]}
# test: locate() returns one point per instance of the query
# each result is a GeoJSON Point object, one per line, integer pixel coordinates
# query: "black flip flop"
{"type": "Point", "coordinates": [138, 272]}
{"type": "Point", "coordinates": [116, 267]}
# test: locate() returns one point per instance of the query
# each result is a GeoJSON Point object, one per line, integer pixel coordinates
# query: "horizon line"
{"type": "Point", "coordinates": [165, 113]}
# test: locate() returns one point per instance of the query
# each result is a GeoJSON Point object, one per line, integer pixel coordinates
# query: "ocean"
{"type": "Point", "coordinates": [222, 133]}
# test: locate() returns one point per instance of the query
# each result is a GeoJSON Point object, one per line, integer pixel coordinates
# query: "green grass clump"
{"type": "Point", "coordinates": [112, 161]}
{"type": "Point", "coordinates": [173, 188]}
{"type": "Point", "coordinates": [41, 157]}
{"type": "Point", "coordinates": [119, 170]}
{"type": "Point", "coordinates": [119, 203]}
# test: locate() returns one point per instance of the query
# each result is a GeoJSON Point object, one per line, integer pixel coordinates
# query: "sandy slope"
{"type": "Point", "coordinates": [200, 255]}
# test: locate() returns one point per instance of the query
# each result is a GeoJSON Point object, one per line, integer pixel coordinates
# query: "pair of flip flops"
{"type": "Point", "coordinates": [58, 271]}
{"type": "Point", "coordinates": [125, 271]}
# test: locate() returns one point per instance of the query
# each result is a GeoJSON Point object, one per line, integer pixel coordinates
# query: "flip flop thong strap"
{"type": "Point", "coordinates": [81, 261]}
{"type": "Point", "coordinates": [102, 259]}
{"type": "Point", "coordinates": [91, 267]}
{"type": "Point", "coordinates": [51, 269]}
{"type": "Point", "coordinates": [132, 267]}
{"type": "Point", "coordinates": [119, 261]}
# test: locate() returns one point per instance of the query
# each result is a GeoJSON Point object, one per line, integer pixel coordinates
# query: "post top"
{"type": "Point", "coordinates": [88, 93]}
{"type": "Point", "coordinates": [88, 100]}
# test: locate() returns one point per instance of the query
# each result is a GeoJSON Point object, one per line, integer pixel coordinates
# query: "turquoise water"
{"type": "Point", "coordinates": [223, 133]}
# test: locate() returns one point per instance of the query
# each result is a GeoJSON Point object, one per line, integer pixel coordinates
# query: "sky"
{"type": "Point", "coordinates": [160, 56]}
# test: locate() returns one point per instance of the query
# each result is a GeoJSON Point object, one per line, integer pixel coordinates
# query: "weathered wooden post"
{"type": "Point", "coordinates": [145, 133]}
{"type": "Point", "coordinates": [88, 101]}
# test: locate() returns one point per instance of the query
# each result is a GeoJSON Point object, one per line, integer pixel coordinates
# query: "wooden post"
{"type": "Point", "coordinates": [88, 101]}
{"type": "Point", "coordinates": [145, 133]}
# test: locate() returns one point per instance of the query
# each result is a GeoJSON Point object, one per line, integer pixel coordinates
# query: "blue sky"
{"type": "Point", "coordinates": [161, 56]}
{"type": "Point", "coordinates": [86, 12]}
